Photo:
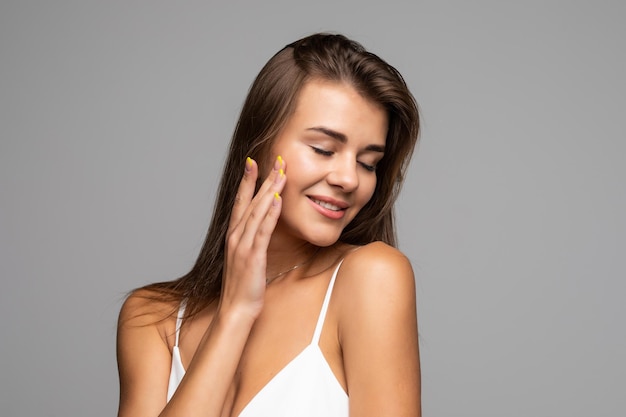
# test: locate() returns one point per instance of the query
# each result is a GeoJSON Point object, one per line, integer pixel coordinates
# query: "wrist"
{"type": "Point", "coordinates": [236, 315]}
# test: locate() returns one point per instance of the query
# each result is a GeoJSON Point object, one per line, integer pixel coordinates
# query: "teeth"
{"type": "Point", "coordinates": [327, 205]}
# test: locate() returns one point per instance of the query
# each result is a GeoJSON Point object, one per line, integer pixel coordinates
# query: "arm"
{"type": "Point", "coordinates": [378, 333]}
{"type": "Point", "coordinates": [144, 362]}
{"type": "Point", "coordinates": [144, 359]}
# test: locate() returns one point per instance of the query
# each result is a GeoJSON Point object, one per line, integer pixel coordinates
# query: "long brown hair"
{"type": "Point", "coordinates": [269, 104]}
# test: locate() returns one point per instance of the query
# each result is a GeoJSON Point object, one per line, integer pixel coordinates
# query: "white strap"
{"type": "Point", "coordinates": [322, 317]}
{"type": "Point", "coordinates": [179, 320]}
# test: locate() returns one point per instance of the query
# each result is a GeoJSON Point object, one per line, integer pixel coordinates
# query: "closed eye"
{"type": "Point", "coordinates": [370, 168]}
{"type": "Point", "coordinates": [322, 151]}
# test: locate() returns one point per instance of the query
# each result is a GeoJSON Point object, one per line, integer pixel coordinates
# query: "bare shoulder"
{"type": "Point", "coordinates": [378, 270]}
{"type": "Point", "coordinates": [375, 284]}
{"type": "Point", "coordinates": [144, 308]}
{"type": "Point", "coordinates": [145, 320]}
{"type": "Point", "coordinates": [377, 325]}
{"type": "Point", "coordinates": [143, 352]}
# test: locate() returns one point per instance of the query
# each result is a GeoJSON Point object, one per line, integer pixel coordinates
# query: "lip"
{"type": "Point", "coordinates": [331, 214]}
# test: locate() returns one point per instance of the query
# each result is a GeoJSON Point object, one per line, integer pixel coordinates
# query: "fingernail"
{"type": "Point", "coordinates": [279, 162]}
{"type": "Point", "coordinates": [248, 164]}
{"type": "Point", "coordinates": [276, 199]}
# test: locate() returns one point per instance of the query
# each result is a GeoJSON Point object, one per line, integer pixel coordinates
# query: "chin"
{"type": "Point", "coordinates": [321, 239]}
{"type": "Point", "coordinates": [323, 243]}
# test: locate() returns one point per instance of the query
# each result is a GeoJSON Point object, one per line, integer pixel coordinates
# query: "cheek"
{"type": "Point", "coordinates": [300, 164]}
{"type": "Point", "coordinates": [368, 186]}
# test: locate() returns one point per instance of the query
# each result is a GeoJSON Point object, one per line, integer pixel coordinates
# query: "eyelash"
{"type": "Point", "coordinates": [370, 168]}
{"type": "Point", "coordinates": [322, 151]}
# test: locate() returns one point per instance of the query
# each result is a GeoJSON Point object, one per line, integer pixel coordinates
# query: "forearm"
{"type": "Point", "coordinates": [204, 388]}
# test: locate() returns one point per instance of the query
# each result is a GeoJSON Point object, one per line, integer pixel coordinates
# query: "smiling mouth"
{"type": "Point", "coordinates": [326, 205]}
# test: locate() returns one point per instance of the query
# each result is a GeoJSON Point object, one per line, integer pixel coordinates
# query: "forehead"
{"type": "Point", "coordinates": [339, 107]}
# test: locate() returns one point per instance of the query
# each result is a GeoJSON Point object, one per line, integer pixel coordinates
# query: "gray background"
{"type": "Point", "coordinates": [114, 121]}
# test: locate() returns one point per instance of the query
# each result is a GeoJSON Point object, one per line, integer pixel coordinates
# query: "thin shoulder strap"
{"type": "Point", "coordinates": [322, 316]}
{"type": "Point", "coordinates": [179, 320]}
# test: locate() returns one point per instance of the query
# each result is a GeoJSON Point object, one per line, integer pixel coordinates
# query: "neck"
{"type": "Point", "coordinates": [282, 255]}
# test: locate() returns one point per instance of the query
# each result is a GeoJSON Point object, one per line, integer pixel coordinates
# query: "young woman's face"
{"type": "Point", "coordinates": [331, 146]}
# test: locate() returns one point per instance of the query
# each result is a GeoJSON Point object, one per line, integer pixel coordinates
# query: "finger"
{"type": "Point", "coordinates": [267, 185]}
{"type": "Point", "coordinates": [245, 192]}
{"type": "Point", "coordinates": [266, 227]}
{"type": "Point", "coordinates": [252, 246]}
{"type": "Point", "coordinates": [266, 208]}
{"type": "Point", "coordinates": [249, 244]}
{"type": "Point", "coordinates": [245, 202]}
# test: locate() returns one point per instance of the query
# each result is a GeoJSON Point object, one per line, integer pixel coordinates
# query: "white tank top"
{"type": "Point", "coordinates": [305, 387]}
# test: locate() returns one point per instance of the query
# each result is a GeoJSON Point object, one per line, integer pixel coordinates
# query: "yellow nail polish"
{"type": "Point", "coordinates": [281, 173]}
{"type": "Point", "coordinates": [278, 163]}
{"type": "Point", "coordinates": [276, 196]}
{"type": "Point", "coordinates": [248, 164]}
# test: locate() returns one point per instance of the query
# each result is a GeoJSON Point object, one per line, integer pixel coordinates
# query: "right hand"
{"type": "Point", "coordinates": [251, 225]}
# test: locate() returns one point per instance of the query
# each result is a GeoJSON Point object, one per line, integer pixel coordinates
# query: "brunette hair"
{"type": "Point", "coordinates": [270, 102]}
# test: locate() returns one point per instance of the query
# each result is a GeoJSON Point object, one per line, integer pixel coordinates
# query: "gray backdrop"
{"type": "Point", "coordinates": [114, 121]}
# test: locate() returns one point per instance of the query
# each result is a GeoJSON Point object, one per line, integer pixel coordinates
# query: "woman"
{"type": "Point", "coordinates": [298, 304]}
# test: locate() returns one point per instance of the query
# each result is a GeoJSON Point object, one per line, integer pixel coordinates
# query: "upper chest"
{"type": "Point", "coordinates": [283, 330]}
{"type": "Point", "coordinates": [289, 309]}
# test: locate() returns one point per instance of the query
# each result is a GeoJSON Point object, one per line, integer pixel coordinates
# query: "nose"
{"type": "Point", "coordinates": [343, 174]}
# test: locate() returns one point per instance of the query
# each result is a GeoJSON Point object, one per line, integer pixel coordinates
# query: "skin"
{"type": "Point", "coordinates": [328, 149]}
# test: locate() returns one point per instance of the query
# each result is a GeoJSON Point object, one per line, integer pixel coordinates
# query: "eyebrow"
{"type": "Point", "coordinates": [340, 137]}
